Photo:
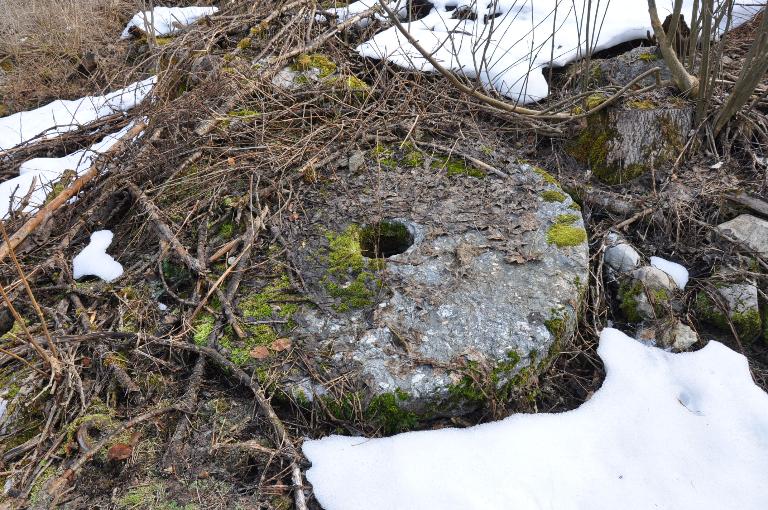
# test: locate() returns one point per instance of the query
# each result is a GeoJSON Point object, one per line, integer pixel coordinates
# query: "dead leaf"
{"type": "Point", "coordinates": [120, 451]}
{"type": "Point", "coordinates": [259, 352]}
{"type": "Point", "coordinates": [231, 161]}
{"type": "Point", "coordinates": [281, 344]}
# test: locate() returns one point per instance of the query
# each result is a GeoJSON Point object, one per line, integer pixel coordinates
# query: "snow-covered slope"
{"type": "Point", "coordinates": [666, 431]}
{"type": "Point", "coordinates": [38, 175]}
{"type": "Point", "coordinates": [167, 20]}
{"type": "Point", "coordinates": [61, 116]}
{"type": "Point", "coordinates": [506, 43]}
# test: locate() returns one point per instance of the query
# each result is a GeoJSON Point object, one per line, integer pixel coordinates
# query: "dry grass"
{"type": "Point", "coordinates": [44, 42]}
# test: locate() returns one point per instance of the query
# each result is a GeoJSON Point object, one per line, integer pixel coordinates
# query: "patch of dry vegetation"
{"type": "Point", "coordinates": [52, 49]}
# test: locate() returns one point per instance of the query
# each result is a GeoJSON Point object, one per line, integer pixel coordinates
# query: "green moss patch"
{"type": "Point", "coordinates": [591, 147]}
{"type": "Point", "coordinates": [548, 177]}
{"type": "Point", "coordinates": [566, 235]}
{"type": "Point", "coordinates": [385, 411]}
{"type": "Point", "coordinates": [457, 167]}
{"type": "Point", "coordinates": [551, 195]}
{"type": "Point", "coordinates": [322, 63]}
{"type": "Point", "coordinates": [350, 278]}
{"type": "Point", "coordinates": [641, 104]}
{"type": "Point", "coordinates": [563, 233]}
{"type": "Point", "coordinates": [747, 324]}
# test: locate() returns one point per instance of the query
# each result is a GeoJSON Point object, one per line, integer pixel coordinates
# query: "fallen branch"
{"type": "Point", "coordinates": [263, 402]}
{"type": "Point", "coordinates": [56, 487]}
{"type": "Point", "coordinates": [62, 198]}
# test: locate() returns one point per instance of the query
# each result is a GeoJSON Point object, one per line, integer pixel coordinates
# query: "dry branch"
{"type": "Point", "coordinates": [47, 211]}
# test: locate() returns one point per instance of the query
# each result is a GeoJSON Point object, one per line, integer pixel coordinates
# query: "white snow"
{"type": "Point", "coordinates": [666, 431]}
{"type": "Point", "coordinates": [94, 260]}
{"type": "Point", "coordinates": [38, 175]}
{"type": "Point", "coordinates": [62, 116]}
{"type": "Point", "coordinates": [510, 41]}
{"type": "Point", "coordinates": [167, 20]}
{"type": "Point", "coordinates": [675, 271]}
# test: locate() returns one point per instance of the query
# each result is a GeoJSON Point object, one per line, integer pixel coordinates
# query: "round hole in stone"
{"type": "Point", "coordinates": [385, 239]}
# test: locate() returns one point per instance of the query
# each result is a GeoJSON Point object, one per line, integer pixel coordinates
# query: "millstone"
{"type": "Point", "coordinates": [437, 288]}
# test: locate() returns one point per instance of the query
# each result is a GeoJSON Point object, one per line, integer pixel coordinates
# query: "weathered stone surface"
{"type": "Point", "coordinates": [669, 333]}
{"type": "Point", "coordinates": [678, 337]}
{"type": "Point", "coordinates": [737, 305]}
{"type": "Point", "coordinates": [646, 294]}
{"type": "Point", "coordinates": [620, 255]}
{"type": "Point", "coordinates": [489, 286]}
{"type": "Point", "coordinates": [623, 142]}
{"type": "Point", "coordinates": [749, 230]}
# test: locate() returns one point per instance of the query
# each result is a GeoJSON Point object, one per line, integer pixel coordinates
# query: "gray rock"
{"type": "Point", "coordinates": [621, 256]}
{"type": "Point", "coordinates": [747, 229]}
{"type": "Point", "coordinates": [482, 292]}
{"type": "Point", "coordinates": [737, 306]}
{"type": "Point", "coordinates": [670, 333]}
{"type": "Point", "coordinates": [678, 337]}
{"type": "Point", "coordinates": [356, 161]}
{"type": "Point", "coordinates": [646, 294]}
{"type": "Point", "coordinates": [654, 278]}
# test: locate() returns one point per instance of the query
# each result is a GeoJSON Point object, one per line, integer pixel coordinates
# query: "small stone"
{"type": "Point", "coordinates": [747, 229]}
{"type": "Point", "coordinates": [356, 161]}
{"type": "Point", "coordinates": [622, 258]}
{"type": "Point", "coordinates": [654, 278]}
{"type": "Point", "coordinates": [741, 302]}
{"type": "Point", "coordinates": [638, 286]}
{"type": "Point", "coordinates": [679, 337]}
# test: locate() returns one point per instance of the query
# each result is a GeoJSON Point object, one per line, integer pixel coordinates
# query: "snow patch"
{"type": "Point", "coordinates": [166, 20]}
{"type": "Point", "coordinates": [668, 431]}
{"type": "Point", "coordinates": [94, 260]}
{"type": "Point", "coordinates": [506, 43]}
{"type": "Point", "coordinates": [675, 271]}
{"type": "Point", "coordinates": [62, 116]}
{"type": "Point", "coordinates": [37, 176]}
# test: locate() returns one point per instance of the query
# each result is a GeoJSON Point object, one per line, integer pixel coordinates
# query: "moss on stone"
{"type": "Point", "coordinates": [566, 235]}
{"type": "Point", "coordinates": [350, 278]}
{"type": "Point", "coordinates": [457, 167]}
{"type": "Point", "coordinates": [551, 195]}
{"type": "Point", "coordinates": [648, 56]}
{"type": "Point", "coordinates": [567, 219]}
{"type": "Point", "coordinates": [591, 147]}
{"type": "Point", "coordinates": [322, 63]}
{"type": "Point", "coordinates": [467, 390]}
{"type": "Point", "coordinates": [747, 324]}
{"type": "Point", "coordinates": [548, 177]}
{"type": "Point", "coordinates": [386, 412]}
{"type": "Point", "coordinates": [412, 156]}
{"type": "Point", "coordinates": [353, 83]}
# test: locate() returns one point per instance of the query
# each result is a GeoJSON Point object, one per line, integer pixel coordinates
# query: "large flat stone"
{"type": "Point", "coordinates": [489, 288]}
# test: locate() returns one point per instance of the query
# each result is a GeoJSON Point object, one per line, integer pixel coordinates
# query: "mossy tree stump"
{"type": "Point", "coordinates": [623, 142]}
